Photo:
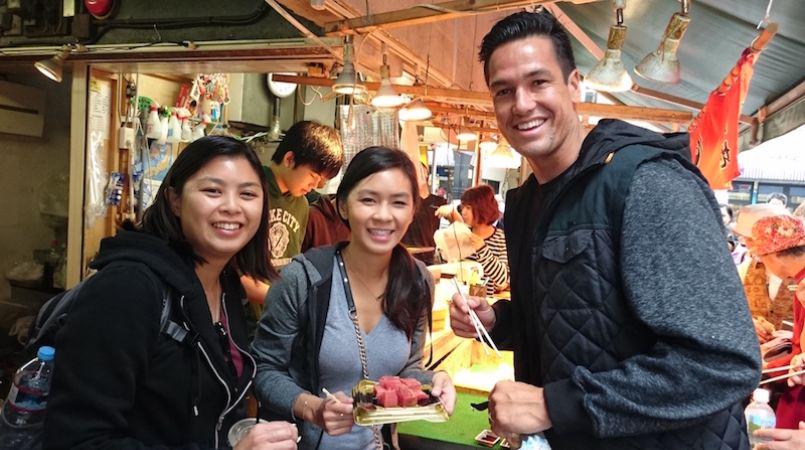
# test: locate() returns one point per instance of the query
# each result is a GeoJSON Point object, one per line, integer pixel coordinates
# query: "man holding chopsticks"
{"type": "Point", "coordinates": [628, 321]}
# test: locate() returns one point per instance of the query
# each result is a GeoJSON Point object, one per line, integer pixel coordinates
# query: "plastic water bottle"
{"type": "Point", "coordinates": [759, 415]}
{"type": "Point", "coordinates": [27, 400]}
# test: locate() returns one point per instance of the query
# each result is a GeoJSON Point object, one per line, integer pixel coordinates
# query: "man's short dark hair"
{"type": "Point", "coordinates": [312, 144]}
{"type": "Point", "coordinates": [524, 24]}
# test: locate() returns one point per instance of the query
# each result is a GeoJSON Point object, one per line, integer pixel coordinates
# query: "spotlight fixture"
{"type": "Point", "coordinates": [347, 82]}
{"type": "Point", "coordinates": [662, 64]}
{"type": "Point", "coordinates": [52, 67]}
{"type": "Point", "coordinates": [415, 111]}
{"type": "Point", "coordinates": [609, 75]}
{"type": "Point", "coordinates": [386, 96]}
{"type": "Point", "coordinates": [503, 156]}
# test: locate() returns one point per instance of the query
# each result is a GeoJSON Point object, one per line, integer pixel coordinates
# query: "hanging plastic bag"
{"type": "Point", "coordinates": [96, 201]}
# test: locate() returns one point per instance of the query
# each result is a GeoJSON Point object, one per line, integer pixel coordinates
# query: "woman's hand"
{"type": "Point", "coordinates": [448, 212]}
{"type": "Point", "coordinates": [270, 436]}
{"type": "Point", "coordinates": [797, 365]}
{"type": "Point", "coordinates": [762, 329]}
{"type": "Point", "coordinates": [336, 416]}
{"type": "Point", "coordinates": [444, 390]}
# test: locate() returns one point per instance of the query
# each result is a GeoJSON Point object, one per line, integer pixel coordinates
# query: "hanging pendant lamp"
{"type": "Point", "coordinates": [662, 64]}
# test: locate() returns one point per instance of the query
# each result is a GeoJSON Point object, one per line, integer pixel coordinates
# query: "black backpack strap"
{"type": "Point", "coordinates": [51, 316]}
{"type": "Point", "coordinates": [166, 325]}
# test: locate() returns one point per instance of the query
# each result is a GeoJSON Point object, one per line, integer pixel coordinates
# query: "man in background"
{"type": "Point", "coordinates": [420, 232]}
{"type": "Point", "coordinates": [309, 155]}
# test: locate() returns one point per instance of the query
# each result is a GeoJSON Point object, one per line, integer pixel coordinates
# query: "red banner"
{"type": "Point", "coordinates": [714, 132]}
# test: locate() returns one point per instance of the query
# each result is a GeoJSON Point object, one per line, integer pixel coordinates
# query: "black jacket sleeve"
{"type": "Point", "coordinates": [680, 282]}
{"type": "Point", "coordinates": [101, 352]}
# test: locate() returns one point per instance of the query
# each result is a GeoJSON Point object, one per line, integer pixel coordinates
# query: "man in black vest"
{"type": "Point", "coordinates": [628, 321]}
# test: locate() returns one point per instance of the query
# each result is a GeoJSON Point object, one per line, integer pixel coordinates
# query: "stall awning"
{"type": "Point", "coordinates": [779, 159]}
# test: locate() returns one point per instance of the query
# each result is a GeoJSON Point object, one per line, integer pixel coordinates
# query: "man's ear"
{"type": "Point", "coordinates": [174, 200]}
{"type": "Point", "coordinates": [288, 160]}
{"type": "Point", "coordinates": [574, 85]}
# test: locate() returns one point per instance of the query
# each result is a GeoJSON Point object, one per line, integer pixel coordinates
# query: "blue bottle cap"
{"type": "Point", "coordinates": [46, 353]}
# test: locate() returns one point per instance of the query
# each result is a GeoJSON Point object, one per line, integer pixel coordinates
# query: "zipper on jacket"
{"type": "Point", "coordinates": [217, 376]}
{"type": "Point", "coordinates": [254, 368]}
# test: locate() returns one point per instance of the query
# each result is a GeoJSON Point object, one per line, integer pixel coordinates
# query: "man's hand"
{"type": "Point", "coordinates": [782, 439]}
{"type": "Point", "coordinates": [270, 436]}
{"type": "Point", "coordinates": [517, 408]}
{"type": "Point", "coordinates": [460, 318]}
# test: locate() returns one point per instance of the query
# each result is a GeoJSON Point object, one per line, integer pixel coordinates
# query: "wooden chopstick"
{"type": "Point", "coordinates": [330, 395]}
{"type": "Point", "coordinates": [777, 369]}
{"type": "Point", "coordinates": [782, 377]}
{"type": "Point", "coordinates": [489, 340]}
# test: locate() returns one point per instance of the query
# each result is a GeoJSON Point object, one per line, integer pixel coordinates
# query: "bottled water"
{"type": "Point", "coordinates": [24, 409]}
{"type": "Point", "coordinates": [759, 415]}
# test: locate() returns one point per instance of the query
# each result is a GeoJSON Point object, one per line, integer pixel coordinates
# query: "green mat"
{"type": "Point", "coordinates": [463, 426]}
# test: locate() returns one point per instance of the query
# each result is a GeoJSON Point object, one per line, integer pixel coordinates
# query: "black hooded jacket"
{"type": "Point", "coordinates": [625, 305]}
{"type": "Point", "coordinates": [120, 383]}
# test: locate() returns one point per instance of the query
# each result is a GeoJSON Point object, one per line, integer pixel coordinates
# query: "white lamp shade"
{"type": "Point", "coordinates": [503, 157]}
{"type": "Point", "coordinates": [386, 97]}
{"type": "Point", "coordinates": [347, 82]}
{"type": "Point", "coordinates": [52, 67]}
{"type": "Point", "coordinates": [415, 111]}
{"type": "Point", "coordinates": [662, 64]}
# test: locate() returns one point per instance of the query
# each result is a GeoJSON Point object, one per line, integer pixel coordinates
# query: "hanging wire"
{"type": "Point", "coordinates": [765, 20]}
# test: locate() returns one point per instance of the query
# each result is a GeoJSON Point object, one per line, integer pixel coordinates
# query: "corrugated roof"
{"type": "Point", "coordinates": [718, 32]}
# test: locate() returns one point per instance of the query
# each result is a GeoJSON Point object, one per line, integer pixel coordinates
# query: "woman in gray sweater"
{"type": "Point", "coordinates": [353, 311]}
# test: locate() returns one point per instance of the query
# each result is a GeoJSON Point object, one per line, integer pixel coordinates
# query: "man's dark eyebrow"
{"type": "Point", "coordinates": [532, 74]}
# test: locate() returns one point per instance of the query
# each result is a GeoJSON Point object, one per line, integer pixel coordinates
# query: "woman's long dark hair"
{"type": "Point", "coordinates": [407, 298]}
{"type": "Point", "coordinates": [159, 220]}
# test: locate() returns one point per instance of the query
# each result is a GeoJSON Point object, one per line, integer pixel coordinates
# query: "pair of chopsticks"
{"type": "Point", "coordinates": [483, 336]}
{"type": "Point", "coordinates": [782, 377]}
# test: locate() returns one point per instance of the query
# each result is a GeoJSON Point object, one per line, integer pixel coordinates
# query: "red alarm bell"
{"type": "Point", "coordinates": [100, 9]}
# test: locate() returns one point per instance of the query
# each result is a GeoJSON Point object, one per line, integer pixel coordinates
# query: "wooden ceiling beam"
{"type": "Point", "coordinates": [575, 31]}
{"type": "Point", "coordinates": [449, 109]}
{"type": "Point", "coordinates": [422, 14]}
{"type": "Point", "coordinates": [589, 109]}
{"type": "Point", "coordinates": [475, 128]}
{"type": "Point", "coordinates": [455, 95]}
{"type": "Point", "coordinates": [482, 98]}
{"type": "Point", "coordinates": [342, 9]}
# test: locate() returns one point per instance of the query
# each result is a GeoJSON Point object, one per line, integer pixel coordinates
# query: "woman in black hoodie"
{"type": "Point", "coordinates": [122, 379]}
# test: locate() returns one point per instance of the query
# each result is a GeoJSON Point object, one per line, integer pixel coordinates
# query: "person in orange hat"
{"type": "Point", "coordinates": [779, 243]}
